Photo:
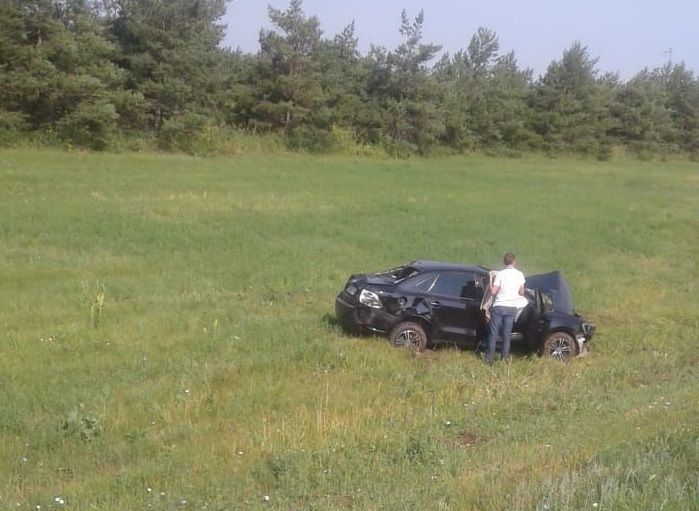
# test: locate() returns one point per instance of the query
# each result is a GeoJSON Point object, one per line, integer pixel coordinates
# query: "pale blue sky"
{"type": "Point", "coordinates": [626, 35]}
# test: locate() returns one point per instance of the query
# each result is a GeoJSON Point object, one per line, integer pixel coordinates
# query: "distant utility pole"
{"type": "Point", "coordinates": [668, 52]}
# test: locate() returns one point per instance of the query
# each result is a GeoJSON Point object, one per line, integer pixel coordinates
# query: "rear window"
{"type": "Point", "coordinates": [400, 273]}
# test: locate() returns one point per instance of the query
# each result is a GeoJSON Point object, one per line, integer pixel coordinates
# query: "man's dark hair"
{"type": "Point", "coordinates": [509, 259]}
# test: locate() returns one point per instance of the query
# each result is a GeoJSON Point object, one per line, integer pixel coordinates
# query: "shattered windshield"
{"type": "Point", "coordinates": [400, 273]}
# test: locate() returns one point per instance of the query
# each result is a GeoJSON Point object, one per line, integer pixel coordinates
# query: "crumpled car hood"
{"type": "Point", "coordinates": [556, 287]}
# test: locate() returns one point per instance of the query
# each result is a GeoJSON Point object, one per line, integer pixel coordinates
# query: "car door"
{"type": "Point", "coordinates": [454, 299]}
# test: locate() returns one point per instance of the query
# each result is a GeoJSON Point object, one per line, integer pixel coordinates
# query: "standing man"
{"type": "Point", "coordinates": [508, 290]}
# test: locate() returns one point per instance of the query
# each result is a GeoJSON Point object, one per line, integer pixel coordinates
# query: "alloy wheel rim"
{"type": "Point", "coordinates": [560, 348]}
{"type": "Point", "coordinates": [409, 339]}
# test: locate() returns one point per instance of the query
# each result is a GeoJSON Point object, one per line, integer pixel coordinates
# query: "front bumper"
{"type": "Point", "coordinates": [588, 331]}
{"type": "Point", "coordinates": [359, 318]}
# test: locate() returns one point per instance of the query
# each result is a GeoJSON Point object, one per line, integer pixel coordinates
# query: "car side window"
{"type": "Point", "coordinates": [456, 284]}
{"type": "Point", "coordinates": [424, 283]}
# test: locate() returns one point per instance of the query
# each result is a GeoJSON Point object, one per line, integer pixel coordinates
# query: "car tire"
{"type": "Point", "coordinates": [559, 346]}
{"type": "Point", "coordinates": [409, 335]}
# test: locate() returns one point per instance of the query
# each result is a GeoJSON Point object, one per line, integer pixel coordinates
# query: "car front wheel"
{"type": "Point", "coordinates": [409, 335]}
{"type": "Point", "coordinates": [560, 346]}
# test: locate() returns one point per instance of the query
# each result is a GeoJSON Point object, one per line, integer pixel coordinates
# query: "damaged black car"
{"type": "Point", "coordinates": [428, 303]}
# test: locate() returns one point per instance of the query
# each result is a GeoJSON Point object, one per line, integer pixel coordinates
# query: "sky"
{"type": "Point", "coordinates": [626, 35]}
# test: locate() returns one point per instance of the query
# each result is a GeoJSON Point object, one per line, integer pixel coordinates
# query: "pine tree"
{"type": "Point", "coordinates": [171, 51]}
{"type": "Point", "coordinates": [566, 103]}
{"type": "Point", "coordinates": [291, 94]}
{"type": "Point", "coordinates": [401, 87]}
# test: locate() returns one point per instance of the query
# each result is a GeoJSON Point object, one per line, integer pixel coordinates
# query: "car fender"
{"type": "Point", "coordinates": [419, 312]}
{"type": "Point", "coordinates": [423, 321]}
{"type": "Point", "coordinates": [565, 323]}
{"type": "Point", "coordinates": [418, 307]}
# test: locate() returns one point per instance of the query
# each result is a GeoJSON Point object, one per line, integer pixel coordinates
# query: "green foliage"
{"type": "Point", "coordinates": [170, 52]}
{"type": "Point", "coordinates": [605, 151]}
{"type": "Point", "coordinates": [12, 124]}
{"type": "Point", "coordinates": [405, 92]}
{"type": "Point", "coordinates": [91, 125]}
{"type": "Point", "coordinates": [566, 104]}
{"type": "Point", "coordinates": [189, 133]}
{"type": "Point", "coordinates": [484, 95]}
{"type": "Point", "coordinates": [146, 70]}
{"type": "Point", "coordinates": [309, 138]}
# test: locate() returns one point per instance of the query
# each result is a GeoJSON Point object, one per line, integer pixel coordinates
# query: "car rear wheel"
{"type": "Point", "coordinates": [560, 346]}
{"type": "Point", "coordinates": [409, 335]}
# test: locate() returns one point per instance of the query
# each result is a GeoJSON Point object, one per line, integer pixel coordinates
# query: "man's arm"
{"type": "Point", "coordinates": [491, 285]}
{"type": "Point", "coordinates": [521, 290]}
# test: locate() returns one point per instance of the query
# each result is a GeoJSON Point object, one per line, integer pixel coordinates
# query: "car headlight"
{"type": "Point", "coordinates": [370, 299]}
{"type": "Point", "coordinates": [588, 329]}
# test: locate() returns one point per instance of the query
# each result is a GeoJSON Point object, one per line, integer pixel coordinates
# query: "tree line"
{"type": "Point", "coordinates": [94, 72]}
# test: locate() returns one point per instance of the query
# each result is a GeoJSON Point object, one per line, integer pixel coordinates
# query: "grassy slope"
{"type": "Point", "coordinates": [213, 375]}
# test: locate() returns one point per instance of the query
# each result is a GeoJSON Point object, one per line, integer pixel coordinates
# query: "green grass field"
{"type": "Point", "coordinates": [168, 338]}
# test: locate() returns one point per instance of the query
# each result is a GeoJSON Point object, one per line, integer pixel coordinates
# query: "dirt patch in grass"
{"type": "Point", "coordinates": [468, 438]}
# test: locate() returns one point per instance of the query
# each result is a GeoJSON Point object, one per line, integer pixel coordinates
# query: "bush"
{"type": "Point", "coordinates": [604, 152]}
{"type": "Point", "coordinates": [399, 148]}
{"type": "Point", "coordinates": [346, 142]}
{"type": "Point", "coordinates": [12, 125]}
{"type": "Point", "coordinates": [189, 132]}
{"type": "Point", "coordinates": [502, 151]}
{"type": "Point", "coordinates": [91, 125]}
{"type": "Point", "coordinates": [235, 142]}
{"type": "Point", "coordinates": [310, 138]}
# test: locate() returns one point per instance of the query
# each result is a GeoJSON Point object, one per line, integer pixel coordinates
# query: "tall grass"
{"type": "Point", "coordinates": [167, 335]}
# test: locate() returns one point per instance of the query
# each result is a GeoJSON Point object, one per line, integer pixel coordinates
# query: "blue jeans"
{"type": "Point", "coordinates": [501, 321]}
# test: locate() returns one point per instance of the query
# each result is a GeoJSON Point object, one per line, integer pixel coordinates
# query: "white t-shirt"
{"type": "Point", "coordinates": [509, 281]}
